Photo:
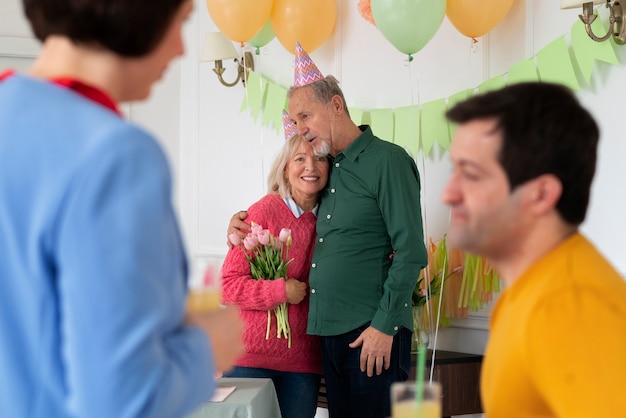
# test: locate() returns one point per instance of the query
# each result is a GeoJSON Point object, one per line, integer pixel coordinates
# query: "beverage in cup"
{"type": "Point", "coordinates": [410, 400]}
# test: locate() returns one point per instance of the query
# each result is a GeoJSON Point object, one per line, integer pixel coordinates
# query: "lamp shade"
{"type": "Point", "coordinates": [217, 47]}
{"type": "Point", "coordinates": [573, 4]}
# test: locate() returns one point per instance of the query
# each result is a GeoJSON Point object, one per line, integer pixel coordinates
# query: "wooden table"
{"type": "Point", "coordinates": [459, 375]}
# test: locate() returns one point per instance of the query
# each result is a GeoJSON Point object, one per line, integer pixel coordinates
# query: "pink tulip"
{"type": "Point", "coordinates": [256, 228]}
{"type": "Point", "coordinates": [264, 236]}
{"type": "Point", "coordinates": [284, 234]}
{"type": "Point", "coordinates": [275, 243]}
{"type": "Point", "coordinates": [250, 242]}
{"type": "Point", "coordinates": [234, 239]}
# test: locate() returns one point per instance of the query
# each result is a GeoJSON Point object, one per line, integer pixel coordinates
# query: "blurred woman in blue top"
{"type": "Point", "coordinates": [93, 271]}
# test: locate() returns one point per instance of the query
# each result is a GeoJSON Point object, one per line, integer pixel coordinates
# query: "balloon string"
{"type": "Point", "coordinates": [416, 109]}
{"type": "Point", "coordinates": [245, 72]}
{"type": "Point", "coordinates": [245, 80]}
{"type": "Point", "coordinates": [471, 50]}
{"type": "Point", "coordinates": [263, 182]}
{"type": "Point", "coordinates": [428, 271]}
{"type": "Point", "coordinates": [442, 286]}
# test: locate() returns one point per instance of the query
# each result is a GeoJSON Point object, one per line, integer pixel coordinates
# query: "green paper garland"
{"type": "Point", "coordinates": [553, 63]}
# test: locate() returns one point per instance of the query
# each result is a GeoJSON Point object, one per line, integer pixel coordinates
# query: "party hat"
{"type": "Point", "coordinates": [289, 125]}
{"type": "Point", "coordinates": [305, 72]}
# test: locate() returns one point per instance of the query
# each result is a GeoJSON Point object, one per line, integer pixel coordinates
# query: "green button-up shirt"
{"type": "Point", "coordinates": [369, 209]}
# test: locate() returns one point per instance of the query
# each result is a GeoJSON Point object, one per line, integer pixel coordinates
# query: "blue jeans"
{"type": "Point", "coordinates": [350, 392]}
{"type": "Point", "coordinates": [297, 392]}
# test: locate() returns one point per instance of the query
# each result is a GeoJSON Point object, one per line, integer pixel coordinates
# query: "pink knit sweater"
{"type": "Point", "coordinates": [255, 297]}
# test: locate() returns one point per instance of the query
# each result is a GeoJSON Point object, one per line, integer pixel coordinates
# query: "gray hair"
{"type": "Point", "coordinates": [324, 91]}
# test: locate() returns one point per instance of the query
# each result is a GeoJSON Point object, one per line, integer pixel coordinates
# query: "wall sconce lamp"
{"type": "Point", "coordinates": [218, 47]}
{"type": "Point", "coordinates": [617, 28]}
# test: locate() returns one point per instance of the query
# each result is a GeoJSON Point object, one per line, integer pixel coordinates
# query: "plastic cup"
{"type": "Point", "coordinates": [205, 290]}
{"type": "Point", "coordinates": [406, 402]}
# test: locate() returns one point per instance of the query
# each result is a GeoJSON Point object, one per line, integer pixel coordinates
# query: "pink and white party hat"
{"type": "Point", "coordinates": [290, 126]}
{"type": "Point", "coordinates": [305, 72]}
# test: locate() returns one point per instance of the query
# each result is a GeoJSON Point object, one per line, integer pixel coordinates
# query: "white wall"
{"type": "Point", "coordinates": [221, 156]}
{"type": "Point", "coordinates": [227, 154]}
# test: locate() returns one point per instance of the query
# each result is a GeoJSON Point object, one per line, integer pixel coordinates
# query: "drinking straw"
{"type": "Point", "coordinates": [419, 374]}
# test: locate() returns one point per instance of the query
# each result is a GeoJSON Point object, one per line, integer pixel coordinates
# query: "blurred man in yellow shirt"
{"type": "Point", "coordinates": [523, 163]}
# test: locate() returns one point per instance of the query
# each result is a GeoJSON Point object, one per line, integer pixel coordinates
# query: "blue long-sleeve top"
{"type": "Point", "coordinates": [92, 266]}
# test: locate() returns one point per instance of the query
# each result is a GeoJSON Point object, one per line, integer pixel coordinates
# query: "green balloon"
{"type": "Point", "coordinates": [263, 37]}
{"type": "Point", "coordinates": [408, 24]}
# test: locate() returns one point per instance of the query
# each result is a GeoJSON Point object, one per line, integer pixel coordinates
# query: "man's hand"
{"type": "Point", "coordinates": [225, 332]}
{"type": "Point", "coordinates": [375, 350]}
{"type": "Point", "coordinates": [296, 290]}
{"type": "Point", "coordinates": [237, 226]}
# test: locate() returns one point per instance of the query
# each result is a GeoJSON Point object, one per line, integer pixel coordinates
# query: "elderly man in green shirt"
{"type": "Point", "coordinates": [360, 296]}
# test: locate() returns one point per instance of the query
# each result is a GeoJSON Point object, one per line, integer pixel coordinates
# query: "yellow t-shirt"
{"type": "Point", "coordinates": [557, 343]}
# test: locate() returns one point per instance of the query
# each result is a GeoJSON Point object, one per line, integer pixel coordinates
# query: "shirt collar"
{"type": "Point", "coordinates": [6, 74]}
{"type": "Point", "coordinates": [297, 210]}
{"type": "Point", "coordinates": [357, 146]}
{"type": "Point", "coordinates": [90, 92]}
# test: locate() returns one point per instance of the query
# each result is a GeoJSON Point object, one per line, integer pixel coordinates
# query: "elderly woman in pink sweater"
{"type": "Point", "coordinates": [296, 180]}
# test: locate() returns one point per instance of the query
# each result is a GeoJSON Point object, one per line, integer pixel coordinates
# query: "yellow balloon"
{"type": "Point", "coordinates": [475, 18]}
{"type": "Point", "coordinates": [239, 20]}
{"type": "Point", "coordinates": [309, 22]}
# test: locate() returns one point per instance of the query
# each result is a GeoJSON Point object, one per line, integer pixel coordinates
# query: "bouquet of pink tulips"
{"type": "Point", "coordinates": [268, 258]}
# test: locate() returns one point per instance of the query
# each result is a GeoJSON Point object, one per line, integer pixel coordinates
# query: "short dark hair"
{"type": "Point", "coordinates": [544, 130]}
{"type": "Point", "coordinates": [130, 28]}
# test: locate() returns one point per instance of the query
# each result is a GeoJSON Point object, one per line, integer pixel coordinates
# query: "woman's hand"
{"type": "Point", "coordinates": [224, 328]}
{"type": "Point", "coordinates": [296, 290]}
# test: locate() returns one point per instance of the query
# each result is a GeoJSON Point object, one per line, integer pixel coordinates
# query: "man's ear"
{"type": "Point", "coordinates": [337, 104]}
{"type": "Point", "coordinates": [546, 192]}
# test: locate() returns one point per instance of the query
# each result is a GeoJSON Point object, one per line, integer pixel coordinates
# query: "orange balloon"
{"type": "Point", "coordinates": [239, 20]}
{"type": "Point", "coordinates": [475, 18]}
{"type": "Point", "coordinates": [309, 22]}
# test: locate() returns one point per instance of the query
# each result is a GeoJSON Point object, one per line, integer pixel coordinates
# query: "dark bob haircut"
{"type": "Point", "coordinates": [130, 28]}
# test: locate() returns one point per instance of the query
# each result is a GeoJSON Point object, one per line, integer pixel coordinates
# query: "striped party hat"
{"type": "Point", "coordinates": [305, 72]}
{"type": "Point", "coordinates": [289, 125]}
